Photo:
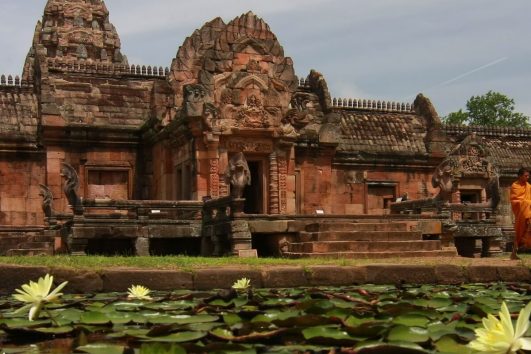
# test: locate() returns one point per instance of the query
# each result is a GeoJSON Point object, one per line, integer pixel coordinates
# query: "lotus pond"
{"type": "Point", "coordinates": [354, 319]}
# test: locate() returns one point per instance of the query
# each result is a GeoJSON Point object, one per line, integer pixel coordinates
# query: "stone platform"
{"type": "Point", "coordinates": [445, 270]}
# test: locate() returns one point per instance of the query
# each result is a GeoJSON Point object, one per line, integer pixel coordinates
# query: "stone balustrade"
{"type": "Point", "coordinates": [12, 81]}
{"type": "Point", "coordinates": [373, 105]}
{"type": "Point", "coordinates": [109, 69]}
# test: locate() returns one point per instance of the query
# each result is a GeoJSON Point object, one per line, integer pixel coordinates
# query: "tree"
{"type": "Point", "coordinates": [490, 109]}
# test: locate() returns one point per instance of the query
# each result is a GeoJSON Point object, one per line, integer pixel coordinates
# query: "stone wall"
{"type": "Point", "coordinates": [20, 203]}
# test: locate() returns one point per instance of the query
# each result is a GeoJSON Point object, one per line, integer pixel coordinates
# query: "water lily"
{"type": "Point", "coordinates": [242, 284]}
{"type": "Point", "coordinates": [499, 336]}
{"type": "Point", "coordinates": [139, 292]}
{"type": "Point", "coordinates": [37, 294]}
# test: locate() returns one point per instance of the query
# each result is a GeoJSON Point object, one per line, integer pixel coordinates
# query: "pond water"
{"type": "Point", "coordinates": [353, 319]}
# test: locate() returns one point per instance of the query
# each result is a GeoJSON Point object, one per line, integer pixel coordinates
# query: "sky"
{"type": "Point", "coordinates": [449, 50]}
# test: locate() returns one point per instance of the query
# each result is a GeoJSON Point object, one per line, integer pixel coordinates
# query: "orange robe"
{"type": "Point", "coordinates": [521, 205]}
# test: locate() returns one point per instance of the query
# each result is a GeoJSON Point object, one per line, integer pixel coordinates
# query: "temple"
{"type": "Point", "coordinates": [228, 151]}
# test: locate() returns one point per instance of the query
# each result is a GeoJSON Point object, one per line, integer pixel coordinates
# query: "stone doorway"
{"type": "Point", "coordinates": [254, 194]}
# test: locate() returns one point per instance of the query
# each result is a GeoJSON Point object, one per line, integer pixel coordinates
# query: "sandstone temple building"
{"type": "Point", "coordinates": [143, 141]}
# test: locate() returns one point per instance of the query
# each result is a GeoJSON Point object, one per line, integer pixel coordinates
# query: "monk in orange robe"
{"type": "Point", "coordinates": [521, 205]}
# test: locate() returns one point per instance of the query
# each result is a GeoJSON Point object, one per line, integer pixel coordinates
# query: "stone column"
{"type": "Point", "coordinates": [282, 184]}
{"type": "Point", "coordinates": [274, 206]}
{"type": "Point", "coordinates": [213, 180]}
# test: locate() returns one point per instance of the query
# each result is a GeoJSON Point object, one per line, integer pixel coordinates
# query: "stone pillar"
{"type": "Point", "coordinates": [282, 184]}
{"type": "Point", "coordinates": [240, 238]}
{"type": "Point", "coordinates": [274, 206]}
{"type": "Point", "coordinates": [456, 198]}
{"type": "Point", "coordinates": [213, 181]}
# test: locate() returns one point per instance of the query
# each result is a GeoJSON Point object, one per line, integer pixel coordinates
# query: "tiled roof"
{"type": "Point", "coordinates": [18, 114]}
{"type": "Point", "coordinates": [382, 133]}
{"type": "Point", "coordinates": [509, 148]}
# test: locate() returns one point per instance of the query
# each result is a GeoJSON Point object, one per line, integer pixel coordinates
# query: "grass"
{"type": "Point", "coordinates": [190, 263]}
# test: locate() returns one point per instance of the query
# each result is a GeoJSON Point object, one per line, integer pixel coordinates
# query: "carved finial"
{"type": "Point", "coordinates": [424, 107]}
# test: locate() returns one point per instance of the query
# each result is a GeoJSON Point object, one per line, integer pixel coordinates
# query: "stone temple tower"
{"type": "Point", "coordinates": [75, 30]}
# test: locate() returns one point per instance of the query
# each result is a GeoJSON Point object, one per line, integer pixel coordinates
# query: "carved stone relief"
{"type": "Point", "coordinates": [238, 175]}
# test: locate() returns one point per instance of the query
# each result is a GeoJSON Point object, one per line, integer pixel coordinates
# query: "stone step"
{"type": "Point", "coordinates": [346, 226]}
{"type": "Point", "coordinates": [363, 246]}
{"type": "Point", "coordinates": [450, 252]}
{"type": "Point", "coordinates": [360, 236]}
{"type": "Point", "coordinates": [30, 252]}
{"type": "Point", "coordinates": [36, 245]}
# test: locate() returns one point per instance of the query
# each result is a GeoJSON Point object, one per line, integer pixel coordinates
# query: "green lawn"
{"type": "Point", "coordinates": [184, 262]}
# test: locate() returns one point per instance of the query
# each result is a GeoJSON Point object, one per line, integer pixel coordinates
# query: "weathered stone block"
{"type": "Point", "coordinates": [284, 277]}
{"type": "Point", "coordinates": [385, 274]}
{"type": "Point", "coordinates": [335, 275]}
{"type": "Point", "coordinates": [482, 274]}
{"type": "Point", "coordinates": [511, 273]}
{"type": "Point", "coordinates": [14, 276]}
{"type": "Point", "coordinates": [79, 281]}
{"type": "Point", "coordinates": [449, 274]}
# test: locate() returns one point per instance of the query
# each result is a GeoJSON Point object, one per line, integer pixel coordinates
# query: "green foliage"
{"type": "Point", "coordinates": [490, 109]}
{"type": "Point", "coordinates": [380, 319]}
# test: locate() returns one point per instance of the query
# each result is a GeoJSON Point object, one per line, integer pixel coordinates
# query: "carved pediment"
{"type": "Point", "coordinates": [471, 158]}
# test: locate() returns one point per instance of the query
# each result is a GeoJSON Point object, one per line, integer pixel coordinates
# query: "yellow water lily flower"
{"type": "Point", "coordinates": [38, 294]}
{"type": "Point", "coordinates": [242, 284]}
{"type": "Point", "coordinates": [499, 336]}
{"type": "Point", "coordinates": [139, 292]}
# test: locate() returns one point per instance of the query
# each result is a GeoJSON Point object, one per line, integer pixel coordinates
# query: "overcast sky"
{"type": "Point", "coordinates": [449, 50]}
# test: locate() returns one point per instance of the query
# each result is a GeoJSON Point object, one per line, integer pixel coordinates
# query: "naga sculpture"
{"type": "Point", "coordinates": [47, 199]}
{"type": "Point", "coordinates": [443, 178]}
{"type": "Point", "coordinates": [70, 187]}
{"type": "Point", "coordinates": [239, 175]}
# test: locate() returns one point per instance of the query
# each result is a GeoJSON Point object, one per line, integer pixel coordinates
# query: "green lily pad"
{"type": "Point", "coordinates": [411, 320]}
{"type": "Point", "coordinates": [55, 330]}
{"type": "Point", "coordinates": [449, 345]}
{"type": "Point", "coordinates": [225, 334]}
{"type": "Point", "coordinates": [161, 348]}
{"type": "Point", "coordinates": [387, 348]}
{"type": "Point", "coordinates": [101, 348]}
{"type": "Point", "coordinates": [403, 333]}
{"type": "Point", "coordinates": [179, 337]}
{"type": "Point", "coordinates": [94, 318]}
{"type": "Point", "coordinates": [329, 335]}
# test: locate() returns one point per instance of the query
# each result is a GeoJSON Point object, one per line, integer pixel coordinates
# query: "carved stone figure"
{"type": "Point", "coordinates": [70, 187]}
{"type": "Point", "coordinates": [239, 175]}
{"type": "Point", "coordinates": [194, 100]}
{"type": "Point", "coordinates": [47, 199]}
{"type": "Point", "coordinates": [443, 178]}
{"type": "Point", "coordinates": [493, 188]}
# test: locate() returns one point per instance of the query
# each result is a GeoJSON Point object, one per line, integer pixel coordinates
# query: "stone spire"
{"type": "Point", "coordinates": [78, 30]}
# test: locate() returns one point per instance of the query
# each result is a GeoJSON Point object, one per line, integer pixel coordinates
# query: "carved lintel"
{"type": "Point", "coordinates": [249, 145]}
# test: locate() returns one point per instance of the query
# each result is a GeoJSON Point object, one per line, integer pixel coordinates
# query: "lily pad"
{"type": "Point", "coordinates": [403, 333]}
{"type": "Point", "coordinates": [101, 348]}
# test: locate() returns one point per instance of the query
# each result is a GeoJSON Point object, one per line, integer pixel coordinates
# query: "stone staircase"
{"type": "Point", "coordinates": [34, 244]}
{"type": "Point", "coordinates": [364, 240]}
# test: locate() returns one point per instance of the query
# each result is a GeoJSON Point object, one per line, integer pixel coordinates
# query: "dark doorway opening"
{"type": "Point", "coordinates": [111, 246]}
{"type": "Point", "coordinates": [190, 246]}
{"type": "Point", "coordinates": [254, 202]}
